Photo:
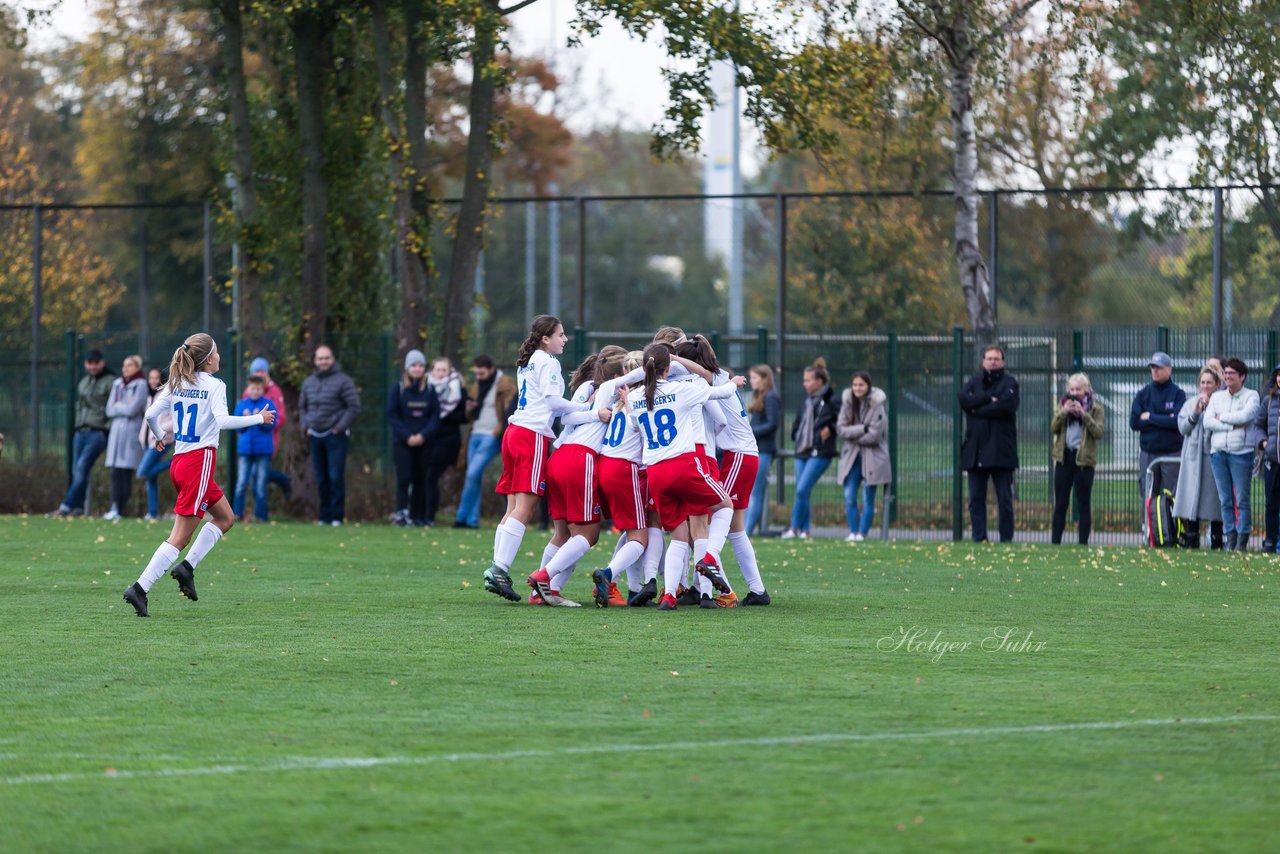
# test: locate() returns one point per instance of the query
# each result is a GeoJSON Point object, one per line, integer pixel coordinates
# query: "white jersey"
{"type": "Point", "coordinates": [540, 390]}
{"type": "Point", "coordinates": [735, 432]}
{"type": "Point", "coordinates": [199, 414]}
{"type": "Point", "coordinates": [674, 426]}
{"type": "Point", "coordinates": [622, 439]}
{"type": "Point", "coordinates": [577, 424]}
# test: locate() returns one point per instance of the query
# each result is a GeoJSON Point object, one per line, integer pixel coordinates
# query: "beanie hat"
{"type": "Point", "coordinates": [414, 357]}
{"type": "Point", "coordinates": [259, 366]}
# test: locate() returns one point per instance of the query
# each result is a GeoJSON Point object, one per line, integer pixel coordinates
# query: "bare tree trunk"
{"type": "Point", "coordinates": [250, 322]}
{"type": "Point", "coordinates": [974, 276]}
{"type": "Point", "coordinates": [310, 28]}
{"type": "Point", "coordinates": [468, 239]}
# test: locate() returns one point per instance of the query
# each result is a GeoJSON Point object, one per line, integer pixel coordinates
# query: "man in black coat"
{"type": "Point", "coordinates": [990, 449]}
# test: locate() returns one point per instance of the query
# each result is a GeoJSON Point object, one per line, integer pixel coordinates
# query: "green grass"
{"type": "Point", "coordinates": [509, 727]}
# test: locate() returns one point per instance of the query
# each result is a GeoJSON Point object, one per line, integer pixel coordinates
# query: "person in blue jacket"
{"type": "Point", "coordinates": [254, 447]}
{"type": "Point", "coordinates": [1154, 417]}
{"type": "Point", "coordinates": [413, 412]}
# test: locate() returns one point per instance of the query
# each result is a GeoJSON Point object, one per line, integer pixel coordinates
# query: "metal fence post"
{"type": "Point", "coordinates": [37, 283]}
{"type": "Point", "coordinates": [1077, 350]}
{"type": "Point", "coordinates": [582, 263]}
{"type": "Point", "coordinates": [579, 346]}
{"type": "Point", "coordinates": [993, 244]}
{"type": "Point", "coordinates": [957, 484]}
{"type": "Point", "coordinates": [387, 372]}
{"type": "Point", "coordinates": [233, 397]}
{"type": "Point", "coordinates": [715, 340]}
{"type": "Point", "coordinates": [1273, 351]}
{"type": "Point", "coordinates": [894, 388]}
{"type": "Point", "coordinates": [206, 294]}
{"type": "Point", "coordinates": [70, 418]}
{"type": "Point", "coordinates": [762, 345]}
{"type": "Point", "coordinates": [780, 297]}
{"type": "Point", "coordinates": [1219, 312]}
{"type": "Point", "coordinates": [1162, 339]}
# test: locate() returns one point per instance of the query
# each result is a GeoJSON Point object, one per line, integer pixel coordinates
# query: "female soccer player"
{"type": "Point", "coordinates": [526, 444]}
{"type": "Point", "coordinates": [669, 416]}
{"type": "Point", "coordinates": [199, 405]}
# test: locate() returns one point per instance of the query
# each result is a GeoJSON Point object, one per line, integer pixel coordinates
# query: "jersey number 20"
{"type": "Point", "coordinates": [662, 431]}
{"type": "Point", "coordinates": [189, 434]}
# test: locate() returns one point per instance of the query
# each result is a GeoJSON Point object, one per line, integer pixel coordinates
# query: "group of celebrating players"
{"type": "Point", "coordinates": [638, 445]}
{"type": "Point", "coordinates": [639, 441]}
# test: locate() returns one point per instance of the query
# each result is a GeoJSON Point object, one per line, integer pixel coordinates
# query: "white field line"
{"type": "Point", "coordinates": [313, 763]}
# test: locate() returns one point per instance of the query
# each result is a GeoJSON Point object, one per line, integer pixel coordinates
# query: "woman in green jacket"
{"type": "Point", "coordinates": [1077, 426]}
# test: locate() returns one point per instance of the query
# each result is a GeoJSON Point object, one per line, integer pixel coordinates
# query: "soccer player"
{"type": "Point", "coordinates": [669, 415]}
{"type": "Point", "coordinates": [199, 405]}
{"type": "Point", "coordinates": [527, 443]}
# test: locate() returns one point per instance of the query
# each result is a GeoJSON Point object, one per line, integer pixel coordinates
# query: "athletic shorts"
{"type": "Point", "coordinates": [738, 476]}
{"type": "Point", "coordinates": [573, 485]}
{"type": "Point", "coordinates": [682, 487]}
{"type": "Point", "coordinates": [524, 461]}
{"type": "Point", "coordinates": [624, 489]}
{"type": "Point", "coordinates": [192, 476]}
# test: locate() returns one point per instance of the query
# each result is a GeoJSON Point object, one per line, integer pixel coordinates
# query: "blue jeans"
{"type": "Point", "coordinates": [252, 471]}
{"type": "Point", "coordinates": [153, 464]}
{"type": "Point", "coordinates": [481, 450]}
{"type": "Point", "coordinates": [329, 459]}
{"type": "Point", "coordinates": [1232, 474]}
{"type": "Point", "coordinates": [759, 494]}
{"type": "Point", "coordinates": [858, 523]}
{"type": "Point", "coordinates": [808, 470]}
{"type": "Point", "coordinates": [86, 447]}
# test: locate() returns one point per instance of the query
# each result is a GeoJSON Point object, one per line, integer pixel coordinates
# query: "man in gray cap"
{"type": "Point", "coordinates": [1154, 416]}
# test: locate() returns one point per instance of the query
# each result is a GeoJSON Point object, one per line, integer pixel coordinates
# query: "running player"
{"type": "Point", "coordinates": [198, 402]}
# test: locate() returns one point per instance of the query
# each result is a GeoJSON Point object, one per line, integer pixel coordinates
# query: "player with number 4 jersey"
{"type": "Point", "coordinates": [198, 404]}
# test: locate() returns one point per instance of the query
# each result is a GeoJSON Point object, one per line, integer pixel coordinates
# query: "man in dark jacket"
{"type": "Point", "coordinates": [90, 431]}
{"type": "Point", "coordinates": [327, 407]}
{"type": "Point", "coordinates": [990, 449]}
{"type": "Point", "coordinates": [1154, 417]}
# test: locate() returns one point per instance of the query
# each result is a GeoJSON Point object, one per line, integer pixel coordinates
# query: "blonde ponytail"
{"type": "Point", "coordinates": [188, 359]}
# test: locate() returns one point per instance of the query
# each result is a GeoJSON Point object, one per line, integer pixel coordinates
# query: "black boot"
{"type": "Point", "coordinates": [1215, 536]}
{"type": "Point", "coordinates": [1229, 542]}
{"type": "Point", "coordinates": [1242, 542]}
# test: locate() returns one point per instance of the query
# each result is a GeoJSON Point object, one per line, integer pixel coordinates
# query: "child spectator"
{"type": "Point", "coordinates": [255, 446]}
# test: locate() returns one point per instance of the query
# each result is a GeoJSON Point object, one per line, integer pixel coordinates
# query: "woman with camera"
{"type": "Point", "coordinates": [1077, 427]}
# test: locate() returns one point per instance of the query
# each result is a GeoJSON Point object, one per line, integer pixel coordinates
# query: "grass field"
{"type": "Point", "coordinates": [356, 689]}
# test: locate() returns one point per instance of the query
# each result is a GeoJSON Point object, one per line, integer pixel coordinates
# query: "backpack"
{"type": "Point", "coordinates": [1163, 528]}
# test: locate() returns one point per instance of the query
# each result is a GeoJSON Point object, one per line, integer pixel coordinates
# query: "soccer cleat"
{"type": "Point", "coordinates": [600, 592]}
{"type": "Point", "coordinates": [687, 596]}
{"type": "Point", "coordinates": [708, 603]}
{"type": "Point", "coordinates": [497, 582]}
{"type": "Point", "coordinates": [757, 599]}
{"type": "Point", "coordinates": [710, 570]}
{"type": "Point", "coordinates": [668, 603]}
{"type": "Point", "coordinates": [185, 574]}
{"type": "Point", "coordinates": [645, 594]}
{"type": "Point", "coordinates": [615, 595]}
{"type": "Point", "coordinates": [535, 599]}
{"type": "Point", "coordinates": [135, 596]}
{"type": "Point", "coordinates": [557, 600]}
{"type": "Point", "coordinates": [541, 582]}
{"type": "Point", "coordinates": [728, 600]}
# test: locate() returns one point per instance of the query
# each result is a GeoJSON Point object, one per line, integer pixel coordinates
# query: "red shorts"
{"type": "Point", "coordinates": [192, 476]}
{"type": "Point", "coordinates": [625, 489]}
{"type": "Point", "coordinates": [681, 487]}
{"type": "Point", "coordinates": [524, 461]}
{"type": "Point", "coordinates": [739, 476]}
{"type": "Point", "coordinates": [573, 485]}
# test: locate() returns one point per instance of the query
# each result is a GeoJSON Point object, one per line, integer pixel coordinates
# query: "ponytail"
{"type": "Point", "coordinates": [657, 361]}
{"type": "Point", "coordinates": [188, 359]}
{"type": "Point", "coordinates": [543, 325]}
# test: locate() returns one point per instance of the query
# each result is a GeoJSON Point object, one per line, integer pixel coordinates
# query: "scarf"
{"type": "Point", "coordinates": [448, 390]}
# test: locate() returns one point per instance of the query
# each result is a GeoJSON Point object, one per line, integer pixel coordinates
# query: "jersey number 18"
{"type": "Point", "coordinates": [662, 431]}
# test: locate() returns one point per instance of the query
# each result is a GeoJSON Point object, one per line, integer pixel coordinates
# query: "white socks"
{"type": "Point", "coordinates": [653, 554]}
{"type": "Point", "coordinates": [699, 549]}
{"type": "Point", "coordinates": [205, 541]}
{"type": "Point", "coordinates": [565, 559]}
{"type": "Point", "coordinates": [506, 542]}
{"type": "Point", "coordinates": [624, 557]}
{"type": "Point", "coordinates": [746, 555]}
{"type": "Point", "coordinates": [717, 531]}
{"type": "Point", "coordinates": [165, 557]}
{"type": "Point", "coordinates": [674, 570]}
{"type": "Point", "coordinates": [547, 554]}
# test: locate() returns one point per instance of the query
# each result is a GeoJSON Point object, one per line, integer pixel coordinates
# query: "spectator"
{"type": "Point", "coordinates": [487, 407]}
{"type": "Point", "coordinates": [1228, 416]}
{"type": "Point", "coordinates": [990, 450]}
{"type": "Point", "coordinates": [1077, 426]}
{"type": "Point", "coordinates": [125, 406]}
{"type": "Point", "coordinates": [1154, 416]}
{"type": "Point", "coordinates": [814, 435]}
{"type": "Point", "coordinates": [864, 458]}
{"type": "Point", "coordinates": [1196, 497]}
{"type": "Point", "coordinates": [327, 407]}
{"type": "Point", "coordinates": [154, 462]}
{"type": "Point", "coordinates": [413, 412]}
{"type": "Point", "coordinates": [261, 367]}
{"type": "Point", "coordinates": [765, 409]}
{"type": "Point", "coordinates": [1265, 439]}
{"type": "Point", "coordinates": [254, 448]}
{"type": "Point", "coordinates": [90, 431]}
{"type": "Point", "coordinates": [442, 453]}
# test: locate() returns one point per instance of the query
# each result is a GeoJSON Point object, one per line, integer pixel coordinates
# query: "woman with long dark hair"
{"type": "Point", "coordinates": [765, 410]}
{"type": "Point", "coordinates": [864, 459]}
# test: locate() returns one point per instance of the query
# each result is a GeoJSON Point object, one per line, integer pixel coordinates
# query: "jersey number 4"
{"type": "Point", "coordinates": [189, 434]}
{"type": "Point", "coordinates": [662, 431]}
{"type": "Point", "coordinates": [523, 397]}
